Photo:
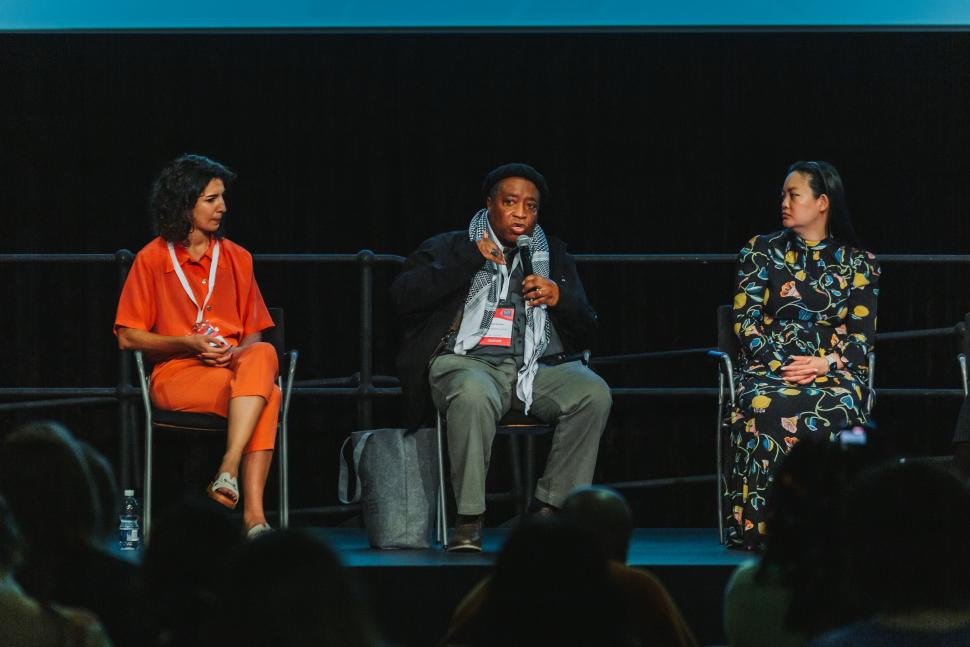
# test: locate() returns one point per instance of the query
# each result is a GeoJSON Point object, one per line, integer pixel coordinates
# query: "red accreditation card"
{"type": "Point", "coordinates": [500, 332]}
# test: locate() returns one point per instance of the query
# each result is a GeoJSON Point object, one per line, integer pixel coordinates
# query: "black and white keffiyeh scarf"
{"type": "Point", "coordinates": [483, 298]}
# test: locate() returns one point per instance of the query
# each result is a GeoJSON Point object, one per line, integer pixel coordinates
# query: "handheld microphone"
{"type": "Point", "coordinates": [522, 242]}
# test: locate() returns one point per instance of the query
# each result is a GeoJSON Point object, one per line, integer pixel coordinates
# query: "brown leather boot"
{"type": "Point", "coordinates": [467, 535]}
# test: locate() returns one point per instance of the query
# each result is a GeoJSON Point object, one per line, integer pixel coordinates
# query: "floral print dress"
{"type": "Point", "coordinates": [794, 297]}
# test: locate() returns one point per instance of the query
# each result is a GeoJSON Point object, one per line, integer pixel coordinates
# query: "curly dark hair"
{"type": "Point", "coordinates": [176, 190]}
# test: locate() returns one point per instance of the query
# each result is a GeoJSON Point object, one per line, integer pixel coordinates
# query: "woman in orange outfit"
{"type": "Point", "coordinates": [191, 302]}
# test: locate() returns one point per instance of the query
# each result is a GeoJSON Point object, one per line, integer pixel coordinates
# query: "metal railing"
{"type": "Point", "coordinates": [365, 386]}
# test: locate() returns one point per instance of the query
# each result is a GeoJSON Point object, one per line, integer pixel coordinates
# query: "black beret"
{"type": "Point", "coordinates": [515, 169]}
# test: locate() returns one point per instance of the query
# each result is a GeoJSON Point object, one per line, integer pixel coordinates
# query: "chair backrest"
{"type": "Point", "coordinates": [727, 341]}
{"type": "Point", "coordinates": [276, 334]}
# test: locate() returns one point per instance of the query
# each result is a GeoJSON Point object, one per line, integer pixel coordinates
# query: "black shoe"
{"type": "Point", "coordinates": [540, 510]}
{"type": "Point", "coordinates": [467, 536]}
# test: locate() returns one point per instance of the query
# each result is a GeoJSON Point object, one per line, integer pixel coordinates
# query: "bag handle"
{"type": "Point", "coordinates": [344, 479]}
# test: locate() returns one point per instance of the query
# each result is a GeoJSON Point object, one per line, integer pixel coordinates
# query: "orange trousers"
{"type": "Point", "coordinates": [186, 384]}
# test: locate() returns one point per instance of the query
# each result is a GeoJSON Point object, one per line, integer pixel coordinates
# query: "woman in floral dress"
{"type": "Point", "coordinates": [805, 313]}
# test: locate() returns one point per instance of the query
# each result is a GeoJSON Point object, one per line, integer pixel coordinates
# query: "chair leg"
{"type": "Point", "coordinates": [441, 535]}
{"type": "Point", "coordinates": [283, 469]}
{"type": "Point", "coordinates": [284, 457]}
{"type": "Point", "coordinates": [147, 473]}
{"type": "Point", "coordinates": [515, 459]}
{"type": "Point", "coordinates": [530, 480]}
{"type": "Point", "coordinates": [136, 454]}
{"type": "Point", "coordinates": [962, 360]}
{"type": "Point", "coordinates": [147, 483]}
{"type": "Point", "coordinates": [719, 456]}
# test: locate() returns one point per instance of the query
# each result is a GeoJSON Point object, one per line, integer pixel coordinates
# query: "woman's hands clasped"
{"type": "Point", "coordinates": [803, 369]}
{"type": "Point", "coordinates": [210, 350]}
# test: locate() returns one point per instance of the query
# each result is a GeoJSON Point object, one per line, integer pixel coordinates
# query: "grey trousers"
{"type": "Point", "coordinates": [473, 395]}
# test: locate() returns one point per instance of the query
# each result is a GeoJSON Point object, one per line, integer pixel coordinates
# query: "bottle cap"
{"type": "Point", "coordinates": [129, 493]}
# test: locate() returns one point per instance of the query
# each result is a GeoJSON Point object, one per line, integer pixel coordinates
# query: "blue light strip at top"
{"type": "Point", "coordinates": [163, 15]}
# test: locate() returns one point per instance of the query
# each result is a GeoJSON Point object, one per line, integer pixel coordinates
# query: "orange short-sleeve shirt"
{"type": "Point", "coordinates": [153, 298]}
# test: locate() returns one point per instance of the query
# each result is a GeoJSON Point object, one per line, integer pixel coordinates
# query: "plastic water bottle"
{"type": "Point", "coordinates": [129, 523]}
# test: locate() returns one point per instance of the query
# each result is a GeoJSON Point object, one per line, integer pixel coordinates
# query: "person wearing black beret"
{"type": "Point", "coordinates": [495, 318]}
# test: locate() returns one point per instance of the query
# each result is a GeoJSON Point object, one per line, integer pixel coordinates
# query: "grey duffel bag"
{"type": "Point", "coordinates": [397, 485]}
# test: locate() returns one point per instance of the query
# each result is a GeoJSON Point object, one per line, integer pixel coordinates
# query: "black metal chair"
{"type": "Point", "coordinates": [728, 352]}
{"type": "Point", "coordinates": [964, 329]}
{"type": "Point", "coordinates": [517, 427]}
{"type": "Point", "coordinates": [201, 422]}
{"type": "Point", "coordinates": [961, 435]}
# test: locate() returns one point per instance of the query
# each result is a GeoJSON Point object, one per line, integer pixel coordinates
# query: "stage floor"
{"type": "Point", "coordinates": [649, 547]}
{"type": "Point", "coordinates": [413, 592]}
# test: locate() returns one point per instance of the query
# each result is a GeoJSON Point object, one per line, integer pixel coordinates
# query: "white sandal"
{"type": "Point", "coordinates": [258, 530]}
{"type": "Point", "coordinates": [224, 482]}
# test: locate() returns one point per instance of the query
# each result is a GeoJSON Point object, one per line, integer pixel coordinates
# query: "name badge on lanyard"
{"type": "Point", "coordinates": [185, 282]}
{"type": "Point", "coordinates": [499, 333]}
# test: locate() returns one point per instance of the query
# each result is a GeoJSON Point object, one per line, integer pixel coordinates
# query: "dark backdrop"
{"type": "Point", "coordinates": [650, 142]}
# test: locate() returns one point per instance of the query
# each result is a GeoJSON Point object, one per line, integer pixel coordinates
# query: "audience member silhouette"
{"type": "Point", "coordinates": [287, 588]}
{"type": "Point", "coordinates": [651, 613]}
{"type": "Point", "coordinates": [646, 610]}
{"type": "Point", "coordinates": [796, 589]}
{"type": "Point", "coordinates": [50, 491]}
{"type": "Point", "coordinates": [106, 491]}
{"type": "Point", "coordinates": [24, 622]}
{"type": "Point", "coordinates": [186, 562]}
{"type": "Point", "coordinates": [551, 586]}
{"type": "Point", "coordinates": [906, 532]}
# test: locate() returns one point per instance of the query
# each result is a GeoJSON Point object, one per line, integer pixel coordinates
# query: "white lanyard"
{"type": "Point", "coordinates": [507, 276]}
{"type": "Point", "coordinates": [504, 269]}
{"type": "Point", "coordinates": [185, 282]}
